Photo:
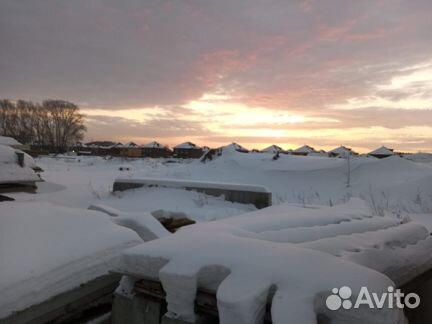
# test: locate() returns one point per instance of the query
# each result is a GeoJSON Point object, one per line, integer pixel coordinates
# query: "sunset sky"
{"type": "Point", "coordinates": [257, 72]}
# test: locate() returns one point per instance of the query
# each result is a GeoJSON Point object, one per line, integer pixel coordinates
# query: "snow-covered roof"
{"type": "Point", "coordinates": [382, 151]}
{"type": "Point", "coordinates": [80, 145]}
{"type": "Point", "coordinates": [43, 252]}
{"type": "Point", "coordinates": [234, 147]}
{"type": "Point", "coordinates": [9, 141]}
{"type": "Point", "coordinates": [303, 254]}
{"type": "Point", "coordinates": [153, 144]}
{"type": "Point", "coordinates": [341, 150]}
{"type": "Point", "coordinates": [129, 145]}
{"type": "Point", "coordinates": [187, 145]}
{"type": "Point", "coordinates": [304, 149]}
{"type": "Point", "coordinates": [102, 144]}
{"type": "Point", "coordinates": [11, 171]}
{"type": "Point", "coordinates": [272, 149]}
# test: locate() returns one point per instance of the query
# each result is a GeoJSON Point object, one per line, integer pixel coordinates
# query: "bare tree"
{"type": "Point", "coordinates": [66, 124]}
{"type": "Point", "coordinates": [54, 123]}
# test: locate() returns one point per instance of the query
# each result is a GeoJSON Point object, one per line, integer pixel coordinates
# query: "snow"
{"type": "Point", "coordinates": [234, 147]}
{"type": "Point", "coordinates": [11, 171]}
{"type": "Point", "coordinates": [272, 149]}
{"type": "Point", "coordinates": [144, 224]}
{"type": "Point", "coordinates": [316, 235]}
{"type": "Point", "coordinates": [153, 145]}
{"type": "Point", "coordinates": [175, 183]}
{"type": "Point", "coordinates": [46, 250]}
{"type": "Point", "coordinates": [284, 254]}
{"type": "Point", "coordinates": [423, 219]}
{"type": "Point", "coordinates": [342, 151]}
{"type": "Point", "coordinates": [382, 151]}
{"type": "Point", "coordinates": [401, 252]}
{"type": "Point", "coordinates": [304, 149]}
{"type": "Point", "coordinates": [9, 141]}
{"type": "Point", "coordinates": [85, 181]}
{"type": "Point", "coordinates": [194, 205]}
{"type": "Point", "coordinates": [125, 167]}
{"type": "Point", "coordinates": [396, 184]}
{"type": "Point", "coordinates": [420, 157]}
{"type": "Point", "coordinates": [187, 145]}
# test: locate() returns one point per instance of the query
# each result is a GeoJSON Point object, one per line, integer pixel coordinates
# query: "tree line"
{"type": "Point", "coordinates": [56, 124]}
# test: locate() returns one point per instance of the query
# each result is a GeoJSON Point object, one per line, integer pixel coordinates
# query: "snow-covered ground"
{"type": "Point", "coordinates": [305, 187]}
{"type": "Point", "coordinates": [81, 182]}
{"type": "Point", "coordinates": [399, 185]}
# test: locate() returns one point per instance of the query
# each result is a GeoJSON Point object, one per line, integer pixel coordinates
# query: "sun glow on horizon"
{"type": "Point", "coordinates": [226, 119]}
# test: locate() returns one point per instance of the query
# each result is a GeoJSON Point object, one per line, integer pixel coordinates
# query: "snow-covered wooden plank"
{"type": "Point", "coordinates": [260, 196]}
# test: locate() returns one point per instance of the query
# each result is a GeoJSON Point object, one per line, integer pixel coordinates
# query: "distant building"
{"type": "Point", "coordinates": [273, 149]}
{"type": "Point", "coordinates": [103, 148]}
{"type": "Point", "coordinates": [304, 150]}
{"type": "Point", "coordinates": [342, 151]}
{"type": "Point", "coordinates": [81, 149]}
{"type": "Point", "coordinates": [130, 149]}
{"type": "Point", "coordinates": [382, 152]}
{"type": "Point", "coordinates": [155, 150]}
{"type": "Point", "coordinates": [188, 150]}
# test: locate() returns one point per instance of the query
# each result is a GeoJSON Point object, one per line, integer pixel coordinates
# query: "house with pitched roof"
{"type": "Point", "coordinates": [155, 150]}
{"type": "Point", "coordinates": [188, 150]}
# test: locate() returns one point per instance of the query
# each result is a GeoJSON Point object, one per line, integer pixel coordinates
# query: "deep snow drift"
{"type": "Point", "coordinates": [46, 250]}
{"type": "Point", "coordinates": [11, 171]}
{"type": "Point", "coordinates": [315, 250]}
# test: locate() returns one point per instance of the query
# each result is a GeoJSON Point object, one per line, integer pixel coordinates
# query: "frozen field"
{"type": "Point", "coordinates": [394, 184]}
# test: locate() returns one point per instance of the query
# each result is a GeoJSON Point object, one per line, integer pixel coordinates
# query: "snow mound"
{"type": "Point", "coordinates": [144, 224]}
{"type": "Point", "coordinates": [401, 252]}
{"type": "Point", "coordinates": [252, 269]}
{"type": "Point", "coordinates": [259, 162]}
{"type": "Point", "coordinates": [46, 250]}
{"type": "Point", "coordinates": [197, 206]}
{"type": "Point", "coordinates": [290, 259]}
{"type": "Point", "coordinates": [9, 141]}
{"type": "Point", "coordinates": [420, 157]}
{"type": "Point", "coordinates": [11, 171]}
